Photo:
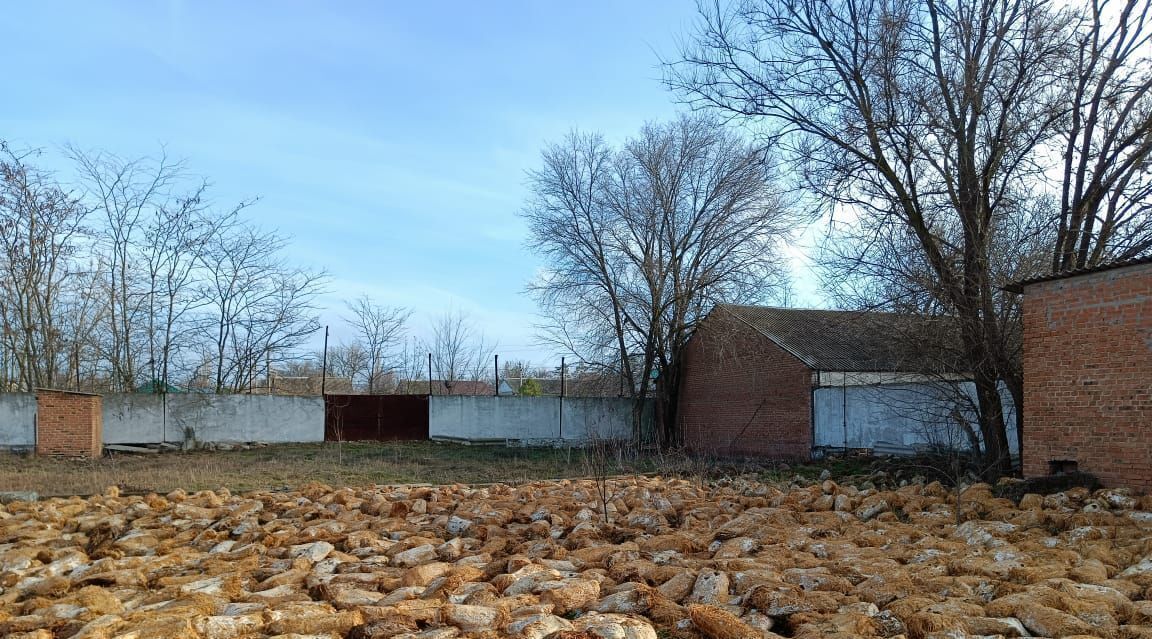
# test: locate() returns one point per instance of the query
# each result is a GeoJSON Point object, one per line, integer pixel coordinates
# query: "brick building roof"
{"type": "Point", "coordinates": [855, 341]}
{"type": "Point", "coordinates": [1018, 287]}
{"type": "Point", "coordinates": [440, 387]}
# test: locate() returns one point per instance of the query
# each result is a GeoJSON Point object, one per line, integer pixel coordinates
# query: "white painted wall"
{"type": "Point", "coordinates": [17, 420]}
{"type": "Point", "coordinates": [529, 418]}
{"type": "Point", "coordinates": [143, 419]}
{"type": "Point", "coordinates": [901, 414]}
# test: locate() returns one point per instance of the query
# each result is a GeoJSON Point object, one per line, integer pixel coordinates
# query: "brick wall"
{"type": "Point", "coordinates": [69, 424]}
{"type": "Point", "coordinates": [1088, 375]}
{"type": "Point", "coordinates": [743, 395]}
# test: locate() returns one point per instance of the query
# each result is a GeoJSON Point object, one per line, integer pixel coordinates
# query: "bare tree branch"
{"type": "Point", "coordinates": [641, 240]}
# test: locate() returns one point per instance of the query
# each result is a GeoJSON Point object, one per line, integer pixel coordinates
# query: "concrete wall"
{"type": "Point", "coordinates": [742, 394]}
{"type": "Point", "coordinates": [1088, 375]}
{"type": "Point", "coordinates": [17, 420]}
{"type": "Point", "coordinates": [142, 419]}
{"type": "Point", "coordinates": [900, 414]}
{"type": "Point", "coordinates": [529, 418]}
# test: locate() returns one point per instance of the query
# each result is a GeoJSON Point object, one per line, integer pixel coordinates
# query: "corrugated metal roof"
{"type": "Point", "coordinates": [1018, 287]}
{"type": "Point", "coordinates": [440, 387]}
{"type": "Point", "coordinates": [856, 341]}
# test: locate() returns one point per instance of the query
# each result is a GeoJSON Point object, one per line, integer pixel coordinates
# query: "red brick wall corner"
{"type": "Point", "coordinates": [742, 395]}
{"type": "Point", "coordinates": [1088, 375]}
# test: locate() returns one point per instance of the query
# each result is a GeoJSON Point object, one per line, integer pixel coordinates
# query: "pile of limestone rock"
{"type": "Point", "coordinates": [657, 557]}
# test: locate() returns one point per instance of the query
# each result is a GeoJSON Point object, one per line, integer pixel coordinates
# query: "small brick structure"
{"type": "Point", "coordinates": [69, 424]}
{"type": "Point", "coordinates": [742, 395]}
{"type": "Point", "coordinates": [1088, 374]}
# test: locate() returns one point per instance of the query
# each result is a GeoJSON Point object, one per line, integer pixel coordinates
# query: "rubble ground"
{"type": "Point", "coordinates": [656, 558]}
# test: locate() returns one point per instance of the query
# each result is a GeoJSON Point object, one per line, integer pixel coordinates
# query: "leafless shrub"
{"type": "Point", "coordinates": [602, 458]}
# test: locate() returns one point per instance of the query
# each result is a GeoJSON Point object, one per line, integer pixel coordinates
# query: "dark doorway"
{"type": "Point", "coordinates": [375, 417]}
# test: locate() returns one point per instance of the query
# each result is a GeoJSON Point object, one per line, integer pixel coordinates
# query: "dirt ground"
{"type": "Point", "coordinates": [422, 462]}
{"type": "Point", "coordinates": [291, 465]}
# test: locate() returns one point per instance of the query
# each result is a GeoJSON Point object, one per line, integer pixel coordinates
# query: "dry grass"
{"type": "Point", "coordinates": [294, 464]}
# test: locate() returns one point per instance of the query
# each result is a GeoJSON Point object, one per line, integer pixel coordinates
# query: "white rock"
{"type": "Point", "coordinates": [276, 592]}
{"type": "Point", "coordinates": [447, 632]}
{"type": "Point", "coordinates": [98, 627]}
{"type": "Point", "coordinates": [759, 621]}
{"type": "Point", "coordinates": [866, 608]}
{"type": "Point", "coordinates": [229, 627]}
{"type": "Point", "coordinates": [234, 609]}
{"type": "Point", "coordinates": [458, 525]}
{"type": "Point", "coordinates": [870, 511]}
{"type": "Point", "coordinates": [469, 618]}
{"type": "Point", "coordinates": [64, 565]}
{"type": "Point", "coordinates": [415, 556]}
{"type": "Point", "coordinates": [1141, 567]}
{"type": "Point", "coordinates": [209, 586]}
{"type": "Point", "coordinates": [711, 588]}
{"type": "Point", "coordinates": [326, 567]}
{"type": "Point", "coordinates": [625, 601]}
{"type": "Point", "coordinates": [314, 552]}
{"type": "Point", "coordinates": [450, 550]}
{"type": "Point", "coordinates": [401, 594]}
{"type": "Point", "coordinates": [610, 626]}
{"type": "Point", "coordinates": [537, 626]}
{"type": "Point", "coordinates": [65, 611]}
{"type": "Point", "coordinates": [981, 533]}
{"type": "Point", "coordinates": [1014, 624]}
{"type": "Point", "coordinates": [529, 578]}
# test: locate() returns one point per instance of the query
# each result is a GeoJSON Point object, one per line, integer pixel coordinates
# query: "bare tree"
{"type": "Point", "coordinates": [176, 236]}
{"type": "Point", "coordinates": [347, 362]}
{"type": "Point", "coordinates": [378, 329]}
{"type": "Point", "coordinates": [936, 120]}
{"type": "Point", "coordinates": [83, 308]}
{"type": "Point", "coordinates": [412, 367]}
{"type": "Point", "coordinates": [261, 307]}
{"type": "Point", "coordinates": [640, 241]}
{"type": "Point", "coordinates": [157, 284]}
{"type": "Point", "coordinates": [459, 350]}
{"type": "Point", "coordinates": [870, 263]}
{"type": "Point", "coordinates": [125, 192]}
{"type": "Point", "coordinates": [40, 227]}
{"type": "Point", "coordinates": [1106, 140]}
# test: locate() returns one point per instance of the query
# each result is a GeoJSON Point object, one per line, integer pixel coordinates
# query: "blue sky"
{"type": "Point", "coordinates": [389, 139]}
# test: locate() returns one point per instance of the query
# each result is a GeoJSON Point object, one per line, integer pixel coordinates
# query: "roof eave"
{"type": "Point", "coordinates": [775, 340]}
{"type": "Point", "coordinates": [1018, 287]}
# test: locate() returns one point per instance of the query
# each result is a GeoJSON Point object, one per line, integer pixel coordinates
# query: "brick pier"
{"type": "Point", "coordinates": [69, 424]}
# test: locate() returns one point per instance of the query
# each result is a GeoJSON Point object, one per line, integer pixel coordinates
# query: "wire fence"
{"type": "Point", "coordinates": [312, 376]}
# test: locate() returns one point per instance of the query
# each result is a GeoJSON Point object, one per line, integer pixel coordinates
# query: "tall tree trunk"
{"type": "Point", "coordinates": [667, 395]}
{"type": "Point", "coordinates": [997, 457]}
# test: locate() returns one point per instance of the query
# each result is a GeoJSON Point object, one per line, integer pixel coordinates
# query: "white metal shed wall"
{"type": "Point", "coordinates": [900, 414]}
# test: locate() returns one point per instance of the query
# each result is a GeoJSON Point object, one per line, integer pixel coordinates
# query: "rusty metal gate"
{"type": "Point", "coordinates": [375, 417]}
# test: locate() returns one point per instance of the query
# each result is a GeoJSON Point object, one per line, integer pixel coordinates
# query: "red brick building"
{"type": "Point", "coordinates": [69, 424]}
{"type": "Point", "coordinates": [779, 383]}
{"type": "Point", "coordinates": [1088, 373]}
